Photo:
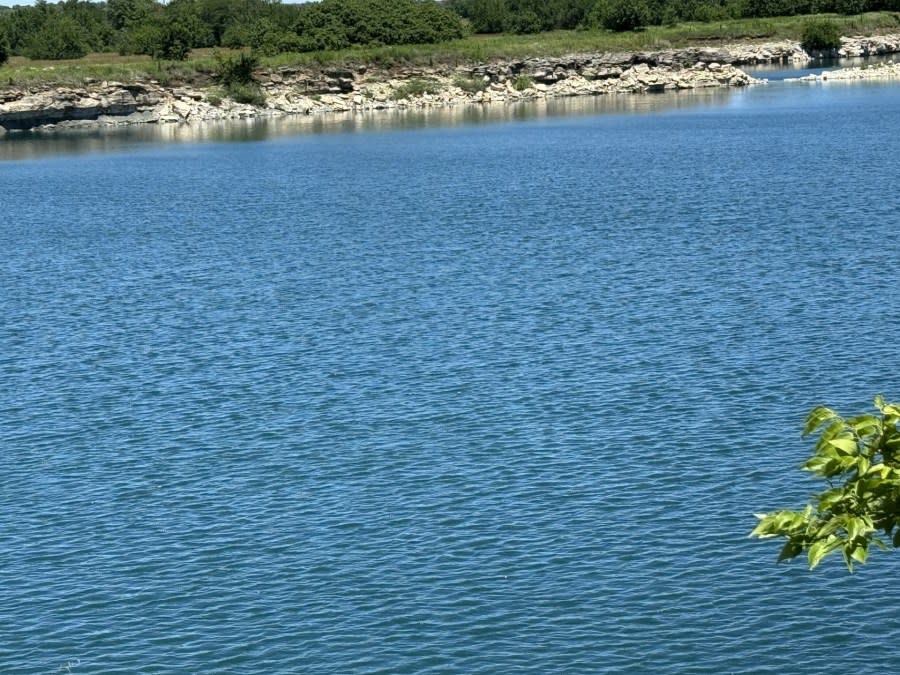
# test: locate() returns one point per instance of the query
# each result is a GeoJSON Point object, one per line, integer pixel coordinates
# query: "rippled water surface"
{"type": "Point", "coordinates": [460, 398]}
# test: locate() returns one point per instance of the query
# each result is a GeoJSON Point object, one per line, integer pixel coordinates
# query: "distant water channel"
{"type": "Point", "coordinates": [779, 72]}
{"type": "Point", "coordinates": [486, 391]}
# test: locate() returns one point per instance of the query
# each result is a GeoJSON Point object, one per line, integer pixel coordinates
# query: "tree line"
{"type": "Point", "coordinates": [532, 16]}
{"type": "Point", "coordinates": [73, 28]}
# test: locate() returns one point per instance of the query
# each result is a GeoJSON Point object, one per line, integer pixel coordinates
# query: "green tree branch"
{"type": "Point", "coordinates": [859, 458]}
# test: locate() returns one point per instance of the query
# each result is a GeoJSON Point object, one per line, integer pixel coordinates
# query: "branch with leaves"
{"type": "Point", "coordinates": [859, 458]}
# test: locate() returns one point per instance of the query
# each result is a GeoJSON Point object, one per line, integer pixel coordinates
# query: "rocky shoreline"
{"type": "Point", "coordinates": [296, 91]}
{"type": "Point", "coordinates": [882, 71]}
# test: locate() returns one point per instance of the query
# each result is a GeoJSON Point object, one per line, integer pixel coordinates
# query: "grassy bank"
{"type": "Point", "coordinates": [21, 72]}
{"type": "Point", "coordinates": [201, 64]}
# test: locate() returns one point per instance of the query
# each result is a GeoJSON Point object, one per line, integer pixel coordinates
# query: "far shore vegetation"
{"type": "Point", "coordinates": [185, 41]}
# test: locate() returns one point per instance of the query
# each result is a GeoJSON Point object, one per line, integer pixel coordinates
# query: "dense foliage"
{"type": "Point", "coordinates": [529, 16]}
{"type": "Point", "coordinates": [620, 15]}
{"type": "Point", "coordinates": [72, 28]}
{"type": "Point", "coordinates": [4, 49]}
{"type": "Point", "coordinates": [522, 16]}
{"type": "Point", "coordinates": [334, 24]}
{"type": "Point", "coordinates": [235, 75]}
{"type": "Point", "coordinates": [820, 34]}
{"type": "Point", "coordinates": [859, 458]}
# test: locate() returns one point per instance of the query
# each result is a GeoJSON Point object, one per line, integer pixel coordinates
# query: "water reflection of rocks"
{"type": "Point", "coordinates": [41, 143]}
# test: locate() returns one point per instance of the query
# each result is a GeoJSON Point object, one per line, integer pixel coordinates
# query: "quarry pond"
{"type": "Point", "coordinates": [486, 390]}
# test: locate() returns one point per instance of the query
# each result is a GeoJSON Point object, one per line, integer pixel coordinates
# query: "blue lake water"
{"type": "Point", "coordinates": [455, 393]}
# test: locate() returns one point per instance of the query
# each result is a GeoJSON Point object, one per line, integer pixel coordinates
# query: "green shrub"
{"type": "Point", "coordinates": [522, 82]}
{"type": "Point", "coordinates": [470, 84]}
{"type": "Point", "coordinates": [416, 87]}
{"type": "Point", "coordinates": [250, 93]}
{"type": "Point", "coordinates": [523, 23]}
{"type": "Point", "coordinates": [235, 74]}
{"type": "Point", "coordinates": [238, 69]}
{"type": "Point", "coordinates": [819, 34]}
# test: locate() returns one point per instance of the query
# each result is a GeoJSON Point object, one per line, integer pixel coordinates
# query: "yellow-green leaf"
{"type": "Point", "coordinates": [860, 554]}
{"type": "Point", "coordinates": [891, 409]}
{"type": "Point", "coordinates": [815, 554]}
{"type": "Point", "coordinates": [816, 417]}
{"type": "Point", "coordinates": [847, 445]}
{"type": "Point", "coordinates": [862, 465]}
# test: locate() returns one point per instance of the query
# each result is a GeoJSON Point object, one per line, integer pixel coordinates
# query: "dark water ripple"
{"type": "Point", "coordinates": [475, 400]}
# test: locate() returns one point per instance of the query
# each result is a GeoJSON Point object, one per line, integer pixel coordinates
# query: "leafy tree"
{"type": "Point", "coordinates": [172, 33]}
{"type": "Point", "coordinates": [231, 20]}
{"type": "Point", "coordinates": [171, 40]}
{"type": "Point", "coordinates": [859, 458]}
{"type": "Point", "coordinates": [320, 30]}
{"type": "Point", "coordinates": [820, 34]}
{"type": "Point", "coordinates": [4, 48]}
{"type": "Point", "coordinates": [672, 11]}
{"type": "Point", "coordinates": [138, 25]}
{"type": "Point", "coordinates": [60, 38]}
{"type": "Point", "coordinates": [522, 16]}
{"type": "Point", "coordinates": [218, 15]}
{"type": "Point", "coordinates": [569, 14]}
{"type": "Point", "coordinates": [530, 16]}
{"type": "Point", "coordinates": [96, 32]}
{"type": "Point", "coordinates": [142, 38]}
{"type": "Point", "coordinates": [334, 24]}
{"type": "Point", "coordinates": [124, 14]}
{"type": "Point", "coordinates": [235, 74]}
{"type": "Point", "coordinates": [485, 16]}
{"type": "Point", "coordinates": [620, 15]}
{"type": "Point", "coordinates": [764, 8]}
{"type": "Point", "coordinates": [851, 6]}
{"type": "Point", "coordinates": [524, 22]}
{"type": "Point", "coordinates": [262, 35]}
{"type": "Point", "coordinates": [18, 24]}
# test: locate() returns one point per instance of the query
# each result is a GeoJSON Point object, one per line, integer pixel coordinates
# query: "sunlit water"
{"type": "Point", "coordinates": [468, 395]}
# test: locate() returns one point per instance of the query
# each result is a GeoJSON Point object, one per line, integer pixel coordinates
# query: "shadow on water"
{"type": "Point", "coordinates": [45, 143]}
{"type": "Point", "coordinates": [778, 72]}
